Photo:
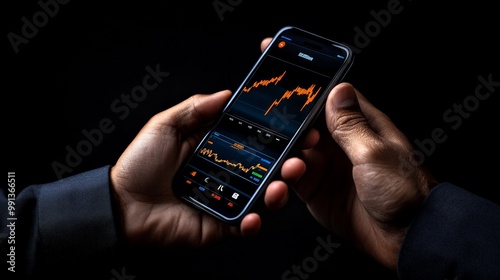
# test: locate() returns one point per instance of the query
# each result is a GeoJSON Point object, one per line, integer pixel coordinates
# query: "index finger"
{"type": "Point", "coordinates": [265, 42]}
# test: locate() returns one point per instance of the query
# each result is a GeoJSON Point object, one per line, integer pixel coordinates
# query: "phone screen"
{"type": "Point", "coordinates": [266, 115]}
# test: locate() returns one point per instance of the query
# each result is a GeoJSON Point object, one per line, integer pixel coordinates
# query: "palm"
{"type": "Point", "coordinates": [143, 176]}
{"type": "Point", "coordinates": [368, 189]}
{"type": "Point", "coordinates": [327, 188]}
{"type": "Point", "coordinates": [357, 202]}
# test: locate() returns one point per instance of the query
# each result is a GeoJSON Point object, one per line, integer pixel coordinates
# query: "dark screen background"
{"type": "Point", "coordinates": [414, 63]}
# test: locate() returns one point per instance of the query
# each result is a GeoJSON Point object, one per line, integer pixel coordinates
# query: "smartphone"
{"type": "Point", "coordinates": [258, 128]}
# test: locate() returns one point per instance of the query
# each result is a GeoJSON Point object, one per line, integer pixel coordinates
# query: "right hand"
{"type": "Point", "coordinates": [360, 182]}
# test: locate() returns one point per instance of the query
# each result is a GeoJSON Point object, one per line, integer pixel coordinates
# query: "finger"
{"type": "Point", "coordinates": [310, 140]}
{"type": "Point", "coordinates": [276, 195]}
{"type": "Point", "coordinates": [194, 112]}
{"type": "Point", "coordinates": [250, 225]}
{"type": "Point", "coordinates": [292, 170]}
{"type": "Point", "coordinates": [265, 42]}
{"type": "Point", "coordinates": [348, 124]}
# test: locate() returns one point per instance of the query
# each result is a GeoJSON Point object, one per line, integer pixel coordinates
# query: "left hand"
{"type": "Point", "coordinates": [142, 179]}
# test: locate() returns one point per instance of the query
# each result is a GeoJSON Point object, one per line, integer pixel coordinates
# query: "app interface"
{"type": "Point", "coordinates": [270, 107]}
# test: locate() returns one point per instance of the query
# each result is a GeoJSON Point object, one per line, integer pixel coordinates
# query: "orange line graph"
{"type": "Point", "coordinates": [210, 153]}
{"type": "Point", "coordinates": [311, 95]}
{"type": "Point", "coordinates": [274, 80]}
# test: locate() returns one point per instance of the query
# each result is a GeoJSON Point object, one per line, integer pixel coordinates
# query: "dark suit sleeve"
{"type": "Point", "coordinates": [456, 235]}
{"type": "Point", "coordinates": [66, 226]}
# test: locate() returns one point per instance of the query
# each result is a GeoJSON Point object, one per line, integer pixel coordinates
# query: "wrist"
{"type": "Point", "coordinates": [122, 205]}
{"type": "Point", "coordinates": [387, 246]}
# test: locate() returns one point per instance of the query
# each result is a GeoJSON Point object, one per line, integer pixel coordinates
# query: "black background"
{"type": "Point", "coordinates": [415, 67]}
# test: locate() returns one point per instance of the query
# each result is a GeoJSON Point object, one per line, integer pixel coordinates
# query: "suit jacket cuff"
{"type": "Point", "coordinates": [455, 235]}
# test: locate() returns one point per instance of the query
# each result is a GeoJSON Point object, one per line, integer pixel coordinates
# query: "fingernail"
{"type": "Point", "coordinates": [344, 97]}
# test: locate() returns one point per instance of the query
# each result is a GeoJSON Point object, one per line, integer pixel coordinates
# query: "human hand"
{"type": "Point", "coordinates": [142, 180]}
{"type": "Point", "coordinates": [361, 181]}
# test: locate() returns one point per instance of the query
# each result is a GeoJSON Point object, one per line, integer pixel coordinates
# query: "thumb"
{"type": "Point", "coordinates": [348, 124]}
{"type": "Point", "coordinates": [194, 112]}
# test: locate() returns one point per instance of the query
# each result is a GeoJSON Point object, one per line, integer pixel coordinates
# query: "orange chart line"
{"type": "Point", "coordinates": [210, 153]}
{"type": "Point", "coordinates": [311, 95]}
{"type": "Point", "coordinates": [274, 80]}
